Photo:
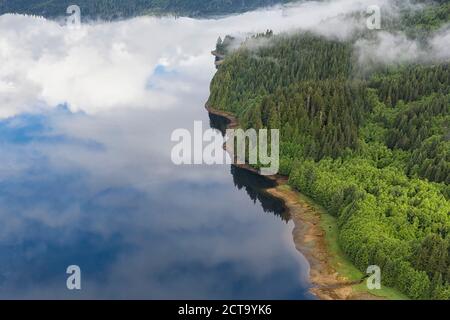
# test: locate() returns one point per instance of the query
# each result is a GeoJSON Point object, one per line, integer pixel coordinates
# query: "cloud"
{"type": "Point", "coordinates": [397, 48]}
{"type": "Point", "coordinates": [107, 66]}
{"type": "Point", "coordinates": [129, 217]}
{"type": "Point", "coordinates": [100, 67]}
{"type": "Point", "coordinates": [345, 19]}
{"type": "Point", "coordinates": [388, 48]}
{"type": "Point", "coordinates": [440, 44]}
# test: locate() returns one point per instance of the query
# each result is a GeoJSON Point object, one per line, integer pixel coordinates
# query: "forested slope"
{"type": "Point", "coordinates": [373, 149]}
{"type": "Point", "coordinates": [112, 9]}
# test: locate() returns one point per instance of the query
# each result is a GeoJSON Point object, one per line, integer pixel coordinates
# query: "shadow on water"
{"type": "Point", "coordinates": [253, 183]}
{"type": "Point", "coordinates": [218, 122]}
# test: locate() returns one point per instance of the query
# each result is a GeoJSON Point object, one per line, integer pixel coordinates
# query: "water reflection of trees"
{"type": "Point", "coordinates": [218, 122]}
{"type": "Point", "coordinates": [254, 185]}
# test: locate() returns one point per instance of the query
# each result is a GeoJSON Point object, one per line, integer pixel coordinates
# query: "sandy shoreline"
{"type": "Point", "coordinates": [308, 236]}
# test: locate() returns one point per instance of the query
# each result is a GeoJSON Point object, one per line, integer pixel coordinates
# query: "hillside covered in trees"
{"type": "Point", "coordinates": [113, 9]}
{"type": "Point", "coordinates": [117, 9]}
{"type": "Point", "coordinates": [372, 147]}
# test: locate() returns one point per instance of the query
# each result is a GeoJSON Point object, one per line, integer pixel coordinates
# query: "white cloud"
{"type": "Point", "coordinates": [440, 44]}
{"type": "Point", "coordinates": [393, 48]}
{"type": "Point", "coordinates": [106, 66]}
{"type": "Point", "coordinates": [388, 48]}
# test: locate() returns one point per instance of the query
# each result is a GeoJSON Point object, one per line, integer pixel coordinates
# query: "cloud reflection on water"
{"type": "Point", "coordinates": [100, 191]}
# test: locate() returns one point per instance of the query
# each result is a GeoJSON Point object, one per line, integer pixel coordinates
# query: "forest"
{"type": "Point", "coordinates": [372, 147]}
{"type": "Point", "coordinates": [120, 9]}
{"type": "Point", "coordinates": [116, 9]}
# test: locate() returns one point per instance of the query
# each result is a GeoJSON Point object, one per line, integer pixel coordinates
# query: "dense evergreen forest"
{"type": "Point", "coordinates": [373, 148]}
{"type": "Point", "coordinates": [113, 9]}
{"type": "Point", "coordinates": [117, 9]}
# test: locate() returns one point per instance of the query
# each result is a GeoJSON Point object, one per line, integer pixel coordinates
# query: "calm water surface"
{"type": "Point", "coordinates": [98, 189]}
{"type": "Point", "coordinates": [102, 194]}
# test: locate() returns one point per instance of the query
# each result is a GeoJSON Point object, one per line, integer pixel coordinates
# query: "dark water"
{"type": "Point", "coordinates": [100, 192]}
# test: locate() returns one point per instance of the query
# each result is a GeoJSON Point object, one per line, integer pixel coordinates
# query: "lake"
{"type": "Point", "coordinates": [86, 176]}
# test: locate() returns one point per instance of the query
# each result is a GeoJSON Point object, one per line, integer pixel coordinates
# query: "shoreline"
{"type": "Point", "coordinates": [309, 236]}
